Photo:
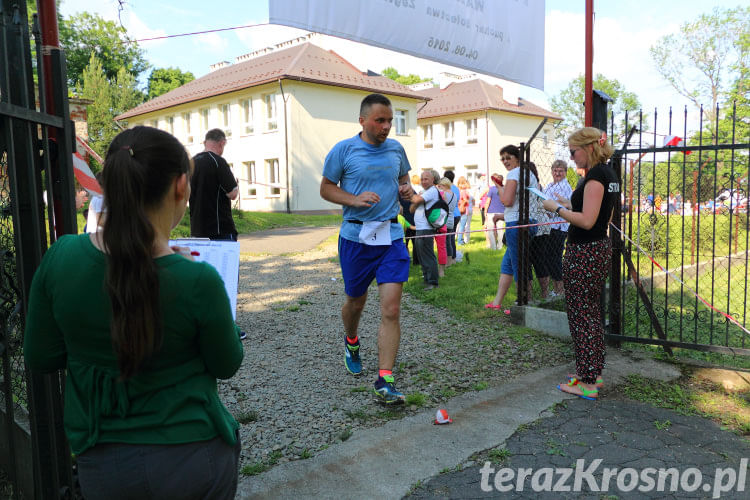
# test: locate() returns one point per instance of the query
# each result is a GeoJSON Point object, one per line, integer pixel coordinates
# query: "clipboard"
{"type": "Point", "coordinates": [224, 256]}
{"type": "Point", "coordinates": [538, 193]}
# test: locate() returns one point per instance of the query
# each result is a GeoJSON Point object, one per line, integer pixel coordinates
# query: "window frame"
{"type": "Point", "coordinates": [450, 139]}
{"type": "Point", "coordinates": [274, 177]}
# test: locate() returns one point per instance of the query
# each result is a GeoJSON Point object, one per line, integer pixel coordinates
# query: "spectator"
{"type": "Point", "coordinates": [455, 216]}
{"type": "Point", "coordinates": [213, 188]}
{"type": "Point", "coordinates": [441, 240]}
{"type": "Point", "coordinates": [509, 195]}
{"type": "Point", "coordinates": [466, 209]}
{"type": "Point", "coordinates": [588, 256]}
{"type": "Point", "coordinates": [558, 188]}
{"type": "Point", "coordinates": [495, 214]}
{"type": "Point", "coordinates": [95, 216]}
{"type": "Point", "coordinates": [143, 332]}
{"type": "Point", "coordinates": [481, 196]}
{"type": "Point", "coordinates": [425, 239]}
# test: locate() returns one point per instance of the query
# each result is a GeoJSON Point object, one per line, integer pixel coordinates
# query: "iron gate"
{"type": "Point", "coordinates": [684, 235]}
{"type": "Point", "coordinates": [680, 234]}
{"type": "Point", "coordinates": [35, 151]}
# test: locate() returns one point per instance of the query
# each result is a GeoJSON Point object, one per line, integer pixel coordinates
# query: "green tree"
{"type": "Point", "coordinates": [698, 60]}
{"type": "Point", "coordinates": [84, 34]}
{"type": "Point", "coordinates": [410, 79]}
{"type": "Point", "coordinates": [162, 80]}
{"type": "Point", "coordinates": [569, 104]}
{"type": "Point", "coordinates": [110, 98]}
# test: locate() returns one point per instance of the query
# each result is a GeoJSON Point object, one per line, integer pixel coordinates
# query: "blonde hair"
{"type": "Point", "coordinates": [445, 182]}
{"type": "Point", "coordinates": [462, 183]}
{"type": "Point", "coordinates": [415, 179]}
{"type": "Point", "coordinates": [601, 149]}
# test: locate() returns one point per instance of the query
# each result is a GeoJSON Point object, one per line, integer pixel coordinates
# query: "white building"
{"type": "Point", "coordinates": [282, 110]}
{"type": "Point", "coordinates": [464, 125]}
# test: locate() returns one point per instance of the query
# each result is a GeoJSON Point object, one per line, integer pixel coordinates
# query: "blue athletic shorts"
{"type": "Point", "coordinates": [361, 263]}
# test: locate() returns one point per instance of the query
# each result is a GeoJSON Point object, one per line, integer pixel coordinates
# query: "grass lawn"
{"type": "Point", "coordinates": [248, 222]}
{"type": "Point", "coordinates": [468, 285]}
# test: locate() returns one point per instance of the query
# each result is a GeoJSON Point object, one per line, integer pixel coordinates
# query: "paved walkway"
{"type": "Point", "coordinates": [285, 239]}
{"type": "Point", "coordinates": [388, 461]}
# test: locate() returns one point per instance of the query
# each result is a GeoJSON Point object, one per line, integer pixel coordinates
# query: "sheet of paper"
{"type": "Point", "coordinates": [538, 193]}
{"type": "Point", "coordinates": [375, 233]}
{"type": "Point", "coordinates": [224, 256]}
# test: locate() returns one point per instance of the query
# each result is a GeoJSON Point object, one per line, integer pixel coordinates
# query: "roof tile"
{"type": "Point", "coordinates": [306, 62]}
{"type": "Point", "coordinates": [475, 95]}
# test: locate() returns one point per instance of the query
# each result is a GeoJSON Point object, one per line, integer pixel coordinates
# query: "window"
{"type": "Point", "coordinates": [251, 178]}
{"type": "Point", "coordinates": [155, 123]}
{"type": "Point", "coordinates": [247, 117]}
{"type": "Point", "coordinates": [272, 174]}
{"type": "Point", "coordinates": [188, 128]}
{"type": "Point", "coordinates": [270, 101]}
{"type": "Point", "coordinates": [471, 131]}
{"type": "Point", "coordinates": [226, 119]}
{"type": "Point", "coordinates": [472, 174]}
{"type": "Point", "coordinates": [399, 119]}
{"type": "Point", "coordinates": [545, 137]}
{"type": "Point", "coordinates": [170, 124]}
{"type": "Point", "coordinates": [204, 119]}
{"type": "Point", "coordinates": [449, 133]}
{"type": "Point", "coordinates": [427, 129]}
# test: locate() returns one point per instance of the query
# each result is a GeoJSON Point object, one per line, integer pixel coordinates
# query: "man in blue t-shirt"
{"type": "Point", "coordinates": [366, 174]}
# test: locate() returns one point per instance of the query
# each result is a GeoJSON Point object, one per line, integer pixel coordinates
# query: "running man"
{"type": "Point", "coordinates": [366, 174]}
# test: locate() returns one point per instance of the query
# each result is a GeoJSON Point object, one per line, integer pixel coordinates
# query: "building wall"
{"type": "Point", "coordinates": [321, 116]}
{"type": "Point", "coordinates": [467, 156]}
{"type": "Point", "coordinates": [472, 159]}
{"type": "Point", "coordinates": [317, 117]}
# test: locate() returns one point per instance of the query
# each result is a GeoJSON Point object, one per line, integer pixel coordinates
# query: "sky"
{"type": "Point", "coordinates": [623, 32]}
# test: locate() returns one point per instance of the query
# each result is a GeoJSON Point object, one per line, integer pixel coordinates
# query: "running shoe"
{"type": "Point", "coordinates": [386, 392]}
{"type": "Point", "coordinates": [351, 358]}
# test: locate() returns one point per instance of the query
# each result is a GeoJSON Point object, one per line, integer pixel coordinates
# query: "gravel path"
{"type": "Point", "coordinates": [293, 394]}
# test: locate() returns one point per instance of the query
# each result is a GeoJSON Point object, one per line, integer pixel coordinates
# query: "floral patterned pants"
{"type": "Point", "coordinates": [585, 269]}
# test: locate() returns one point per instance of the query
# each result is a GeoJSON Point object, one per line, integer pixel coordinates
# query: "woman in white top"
{"type": "Point", "coordinates": [509, 196]}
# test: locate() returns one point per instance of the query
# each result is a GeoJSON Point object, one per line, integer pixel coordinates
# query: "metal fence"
{"type": "Point", "coordinates": [685, 234]}
{"type": "Point", "coordinates": [680, 234]}
{"type": "Point", "coordinates": [36, 142]}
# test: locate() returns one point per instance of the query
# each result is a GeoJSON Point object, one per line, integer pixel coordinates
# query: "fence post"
{"type": "Point", "coordinates": [523, 233]}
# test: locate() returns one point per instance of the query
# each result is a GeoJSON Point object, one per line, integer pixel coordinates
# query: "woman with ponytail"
{"type": "Point", "coordinates": [143, 332]}
{"type": "Point", "coordinates": [588, 255]}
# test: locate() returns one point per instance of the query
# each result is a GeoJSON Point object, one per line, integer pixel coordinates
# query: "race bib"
{"type": "Point", "coordinates": [375, 233]}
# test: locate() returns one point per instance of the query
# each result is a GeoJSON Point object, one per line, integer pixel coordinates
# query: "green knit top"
{"type": "Point", "coordinates": [174, 398]}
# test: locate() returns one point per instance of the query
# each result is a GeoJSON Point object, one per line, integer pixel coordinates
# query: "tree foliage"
{"type": "Point", "coordinates": [410, 79]}
{"type": "Point", "coordinates": [701, 60]}
{"type": "Point", "coordinates": [110, 98]}
{"type": "Point", "coordinates": [569, 104]}
{"type": "Point", "coordinates": [84, 34]}
{"type": "Point", "coordinates": [162, 80]}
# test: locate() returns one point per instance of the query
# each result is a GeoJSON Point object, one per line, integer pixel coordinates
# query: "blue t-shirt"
{"type": "Point", "coordinates": [358, 166]}
{"type": "Point", "coordinates": [457, 192]}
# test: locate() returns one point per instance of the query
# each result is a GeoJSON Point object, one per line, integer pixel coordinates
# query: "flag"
{"type": "Point", "coordinates": [84, 175]}
{"type": "Point", "coordinates": [678, 142]}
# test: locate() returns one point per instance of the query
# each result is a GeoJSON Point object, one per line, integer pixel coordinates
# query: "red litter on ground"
{"type": "Point", "coordinates": [442, 418]}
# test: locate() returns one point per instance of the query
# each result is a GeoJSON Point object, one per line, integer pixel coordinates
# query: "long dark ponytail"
{"type": "Point", "coordinates": [141, 164]}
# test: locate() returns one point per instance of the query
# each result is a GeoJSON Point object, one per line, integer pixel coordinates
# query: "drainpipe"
{"type": "Point", "coordinates": [286, 148]}
{"type": "Point", "coordinates": [487, 145]}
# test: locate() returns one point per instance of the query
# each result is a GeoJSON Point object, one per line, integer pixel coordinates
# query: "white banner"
{"type": "Point", "coordinates": [502, 38]}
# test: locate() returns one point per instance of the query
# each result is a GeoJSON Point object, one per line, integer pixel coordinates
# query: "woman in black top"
{"type": "Point", "coordinates": [588, 256]}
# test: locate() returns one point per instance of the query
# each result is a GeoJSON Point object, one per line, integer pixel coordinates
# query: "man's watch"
{"type": "Point", "coordinates": [557, 210]}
